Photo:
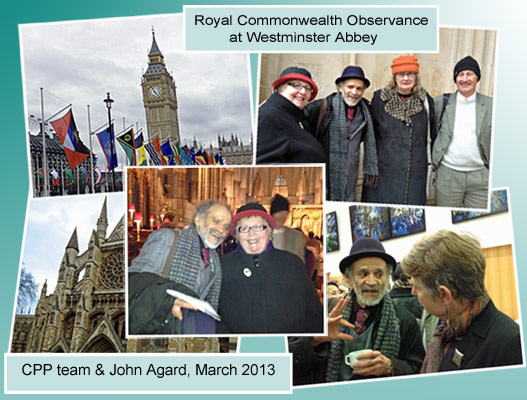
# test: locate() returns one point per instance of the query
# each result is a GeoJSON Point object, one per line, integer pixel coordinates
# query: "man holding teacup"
{"type": "Point", "coordinates": [366, 319]}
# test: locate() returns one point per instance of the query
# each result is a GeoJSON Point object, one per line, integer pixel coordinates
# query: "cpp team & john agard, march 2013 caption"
{"type": "Point", "coordinates": [351, 20]}
{"type": "Point", "coordinates": [158, 371]}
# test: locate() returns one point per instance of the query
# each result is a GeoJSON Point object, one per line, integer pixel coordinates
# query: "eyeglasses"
{"type": "Point", "coordinates": [299, 87]}
{"type": "Point", "coordinates": [254, 228]}
{"type": "Point", "coordinates": [408, 74]}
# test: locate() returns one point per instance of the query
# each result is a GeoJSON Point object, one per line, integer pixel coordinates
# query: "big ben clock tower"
{"type": "Point", "coordinates": [159, 98]}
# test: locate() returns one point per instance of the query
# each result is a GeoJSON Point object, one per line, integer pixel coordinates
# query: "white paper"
{"type": "Point", "coordinates": [201, 305]}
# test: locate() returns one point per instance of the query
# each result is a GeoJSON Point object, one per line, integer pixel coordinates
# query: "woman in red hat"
{"type": "Point", "coordinates": [403, 121]}
{"type": "Point", "coordinates": [263, 289]}
{"type": "Point", "coordinates": [284, 134]}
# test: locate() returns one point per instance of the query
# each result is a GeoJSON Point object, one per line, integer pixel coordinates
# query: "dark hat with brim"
{"type": "Point", "coordinates": [251, 210]}
{"type": "Point", "coordinates": [301, 74]}
{"type": "Point", "coordinates": [366, 247]}
{"type": "Point", "coordinates": [353, 72]}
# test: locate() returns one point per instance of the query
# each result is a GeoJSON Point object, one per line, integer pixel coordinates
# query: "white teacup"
{"type": "Point", "coordinates": [351, 358]}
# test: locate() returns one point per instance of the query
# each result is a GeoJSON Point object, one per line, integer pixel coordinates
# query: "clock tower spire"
{"type": "Point", "coordinates": [159, 97]}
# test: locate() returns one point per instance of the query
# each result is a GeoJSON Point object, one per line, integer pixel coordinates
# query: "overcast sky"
{"type": "Point", "coordinates": [77, 62]}
{"type": "Point", "coordinates": [50, 224]}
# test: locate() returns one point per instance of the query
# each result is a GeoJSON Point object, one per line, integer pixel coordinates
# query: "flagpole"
{"type": "Point", "coordinates": [62, 175]}
{"type": "Point", "coordinates": [44, 150]}
{"type": "Point", "coordinates": [91, 150]}
{"type": "Point", "coordinates": [78, 186]}
{"type": "Point", "coordinates": [109, 102]}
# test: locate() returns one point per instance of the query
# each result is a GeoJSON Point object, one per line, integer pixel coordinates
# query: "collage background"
{"type": "Point", "coordinates": [510, 140]}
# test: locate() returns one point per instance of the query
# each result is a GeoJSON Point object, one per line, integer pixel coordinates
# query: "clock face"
{"type": "Point", "coordinates": [172, 92]}
{"type": "Point", "coordinates": [154, 91]}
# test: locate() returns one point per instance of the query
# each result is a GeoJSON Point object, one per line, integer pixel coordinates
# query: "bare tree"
{"type": "Point", "coordinates": [27, 292]}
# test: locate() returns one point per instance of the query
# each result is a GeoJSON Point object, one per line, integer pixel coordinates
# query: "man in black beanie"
{"type": "Point", "coordinates": [461, 153]}
{"type": "Point", "coordinates": [285, 238]}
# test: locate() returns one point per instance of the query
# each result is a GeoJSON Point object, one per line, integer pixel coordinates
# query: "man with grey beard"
{"type": "Point", "coordinates": [366, 319]}
{"type": "Point", "coordinates": [188, 257]}
{"type": "Point", "coordinates": [340, 122]}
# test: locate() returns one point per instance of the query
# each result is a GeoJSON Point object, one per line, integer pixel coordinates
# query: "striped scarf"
{"type": "Point", "coordinates": [387, 341]}
{"type": "Point", "coordinates": [340, 129]}
{"type": "Point", "coordinates": [187, 262]}
{"type": "Point", "coordinates": [445, 334]}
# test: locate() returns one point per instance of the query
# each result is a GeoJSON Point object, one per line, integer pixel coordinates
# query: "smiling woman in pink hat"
{"type": "Point", "coordinates": [284, 135]}
{"type": "Point", "coordinates": [265, 290]}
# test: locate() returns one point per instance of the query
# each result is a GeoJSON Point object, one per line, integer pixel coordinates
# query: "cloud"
{"type": "Point", "coordinates": [78, 62]}
{"type": "Point", "coordinates": [50, 224]}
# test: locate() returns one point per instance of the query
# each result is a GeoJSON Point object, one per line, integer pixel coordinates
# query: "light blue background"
{"type": "Point", "coordinates": [510, 144]}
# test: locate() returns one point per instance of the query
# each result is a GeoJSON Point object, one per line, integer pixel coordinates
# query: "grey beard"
{"type": "Point", "coordinates": [370, 302]}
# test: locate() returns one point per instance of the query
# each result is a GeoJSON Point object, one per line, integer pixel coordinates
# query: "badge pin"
{"type": "Point", "coordinates": [247, 272]}
{"type": "Point", "coordinates": [300, 123]}
{"type": "Point", "coordinates": [457, 358]}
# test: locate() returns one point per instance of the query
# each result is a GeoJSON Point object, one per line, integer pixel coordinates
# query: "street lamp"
{"type": "Point", "coordinates": [109, 102]}
{"type": "Point", "coordinates": [137, 219]}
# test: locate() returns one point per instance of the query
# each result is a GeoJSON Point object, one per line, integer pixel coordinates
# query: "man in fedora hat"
{"type": "Point", "coordinates": [340, 122]}
{"type": "Point", "coordinates": [461, 153]}
{"type": "Point", "coordinates": [367, 319]}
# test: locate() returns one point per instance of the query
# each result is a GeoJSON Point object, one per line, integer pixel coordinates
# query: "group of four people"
{"type": "Point", "coordinates": [410, 140]}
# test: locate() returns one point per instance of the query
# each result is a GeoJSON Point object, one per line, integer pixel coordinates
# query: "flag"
{"type": "Point", "coordinates": [210, 158]}
{"type": "Point", "coordinates": [154, 150]}
{"type": "Point", "coordinates": [166, 149]}
{"type": "Point", "coordinates": [55, 176]}
{"type": "Point", "coordinates": [68, 134]}
{"type": "Point", "coordinates": [84, 174]}
{"type": "Point", "coordinates": [140, 148]}
{"type": "Point", "coordinates": [106, 140]}
{"type": "Point", "coordinates": [185, 159]}
{"type": "Point", "coordinates": [127, 142]}
{"type": "Point", "coordinates": [98, 179]}
{"type": "Point", "coordinates": [220, 160]}
{"type": "Point", "coordinates": [69, 177]}
{"type": "Point", "coordinates": [192, 154]}
{"type": "Point", "coordinates": [177, 153]}
{"type": "Point", "coordinates": [154, 157]}
{"type": "Point", "coordinates": [200, 158]}
{"type": "Point", "coordinates": [41, 179]}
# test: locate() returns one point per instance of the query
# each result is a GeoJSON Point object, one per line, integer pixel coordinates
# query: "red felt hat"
{"type": "Point", "coordinates": [251, 210]}
{"type": "Point", "coordinates": [293, 73]}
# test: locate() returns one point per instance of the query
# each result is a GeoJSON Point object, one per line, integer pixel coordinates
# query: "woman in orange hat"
{"type": "Point", "coordinates": [403, 120]}
{"type": "Point", "coordinates": [284, 134]}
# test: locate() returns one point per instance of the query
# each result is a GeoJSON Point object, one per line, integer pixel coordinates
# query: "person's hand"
{"type": "Point", "coordinates": [334, 320]}
{"type": "Point", "coordinates": [372, 363]}
{"type": "Point", "coordinates": [178, 305]}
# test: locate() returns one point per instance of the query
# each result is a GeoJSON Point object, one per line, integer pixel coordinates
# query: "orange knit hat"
{"type": "Point", "coordinates": [405, 64]}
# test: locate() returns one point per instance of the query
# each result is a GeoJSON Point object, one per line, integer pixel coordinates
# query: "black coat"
{"type": "Point", "coordinates": [492, 340]}
{"type": "Point", "coordinates": [402, 155]}
{"type": "Point", "coordinates": [284, 134]}
{"type": "Point", "coordinates": [310, 362]}
{"type": "Point", "coordinates": [267, 293]}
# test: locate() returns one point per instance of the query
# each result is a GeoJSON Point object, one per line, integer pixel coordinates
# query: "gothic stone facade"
{"type": "Point", "coordinates": [86, 312]}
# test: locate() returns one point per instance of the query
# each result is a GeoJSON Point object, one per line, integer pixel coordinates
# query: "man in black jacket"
{"type": "Point", "coordinates": [369, 320]}
{"type": "Point", "coordinates": [340, 122]}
